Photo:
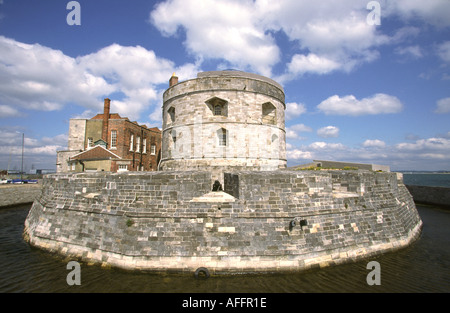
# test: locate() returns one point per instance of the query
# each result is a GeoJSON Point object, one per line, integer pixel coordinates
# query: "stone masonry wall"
{"type": "Point", "coordinates": [19, 194]}
{"type": "Point", "coordinates": [431, 195]}
{"type": "Point", "coordinates": [251, 141]}
{"type": "Point", "coordinates": [275, 221]}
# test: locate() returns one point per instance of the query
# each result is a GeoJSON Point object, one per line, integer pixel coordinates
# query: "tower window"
{"type": "Point", "coordinates": [218, 107]}
{"type": "Point", "coordinates": [222, 134]}
{"type": "Point", "coordinates": [174, 139]}
{"type": "Point", "coordinates": [171, 112]}
{"type": "Point", "coordinates": [269, 114]}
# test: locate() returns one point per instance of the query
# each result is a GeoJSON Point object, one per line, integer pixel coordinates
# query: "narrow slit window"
{"type": "Point", "coordinates": [171, 112]}
{"type": "Point", "coordinates": [222, 133]}
{"type": "Point", "coordinates": [174, 139]}
{"type": "Point", "coordinates": [131, 142]}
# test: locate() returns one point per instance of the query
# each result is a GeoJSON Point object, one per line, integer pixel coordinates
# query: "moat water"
{"type": "Point", "coordinates": [422, 267]}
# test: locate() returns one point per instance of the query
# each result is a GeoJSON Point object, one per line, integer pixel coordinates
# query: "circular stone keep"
{"type": "Point", "coordinates": [222, 121]}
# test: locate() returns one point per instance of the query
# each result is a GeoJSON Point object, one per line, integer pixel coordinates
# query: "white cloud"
{"type": "Point", "coordinates": [156, 116]}
{"type": "Point", "coordinates": [444, 51]}
{"type": "Point", "coordinates": [320, 145]}
{"type": "Point", "coordinates": [376, 143]}
{"type": "Point", "coordinates": [40, 78]}
{"type": "Point", "coordinates": [331, 35]}
{"type": "Point", "coordinates": [8, 111]}
{"type": "Point", "coordinates": [423, 154]}
{"type": "Point", "coordinates": [227, 30]}
{"type": "Point", "coordinates": [429, 145]}
{"type": "Point", "coordinates": [300, 128]}
{"type": "Point", "coordinates": [34, 77]}
{"type": "Point", "coordinates": [443, 106]}
{"type": "Point", "coordinates": [328, 132]}
{"type": "Point", "coordinates": [414, 52]}
{"type": "Point", "coordinates": [294, 109]}
{"type": "Point", "coordinates": [434, 12]}
{"type": "Point", "coordinates": [312, 63]}
{"type": "Point", "coordinates": [136, 72]}
{"type": "Point", "coordinates": [349, 105]}
{"type": "Point", "coordinates": [11, 144]}
{"type": "Point", "coordinates": [292, 131]}
{"type": "Point", "coordinates": [296, 154]}
{"type": "Point", "coordinates": [290, 134]}
{"type": "Point", "coordinates": [59, 140]}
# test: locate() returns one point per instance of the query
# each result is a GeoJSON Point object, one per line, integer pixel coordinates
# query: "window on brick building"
{"type": "Point", "coordinates": [138, 144]}
{"type": "Point", "coordinates": [114, 139]}
{"type": "Point", "coordinates": [153, 149]}
{"type": "Point", "coordinates": [122, 168]}
{"type": "Point", "coordinates": [131, 142]}
{"type": "Point", "coordinates": [144, 146]}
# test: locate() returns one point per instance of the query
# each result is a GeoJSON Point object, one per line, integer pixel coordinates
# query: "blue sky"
{"type": "Point", "coordinates": [354, 91]}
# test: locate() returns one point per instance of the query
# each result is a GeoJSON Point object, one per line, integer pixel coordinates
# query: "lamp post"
{"type": "Point", "coordinates": [21, 168]}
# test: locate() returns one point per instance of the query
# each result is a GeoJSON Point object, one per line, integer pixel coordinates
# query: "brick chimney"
{"type": "Point", "coordinates": [106, 108]}
{"type": "Point", "coordinates": [173, 80]}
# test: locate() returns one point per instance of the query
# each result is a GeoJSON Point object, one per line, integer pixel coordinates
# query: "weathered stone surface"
{"type": "Point", "coordinates": [169, 220]}
{"type": "Point", "coordinates": [431, 195]}
{"type": "Point", "coordinates": [252, 120]}
{"type": "Point", "coordinates": [19, 194]}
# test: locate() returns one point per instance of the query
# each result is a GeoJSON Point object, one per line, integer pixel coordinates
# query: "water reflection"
{"type": "Point", "coordinates": [422, 267]}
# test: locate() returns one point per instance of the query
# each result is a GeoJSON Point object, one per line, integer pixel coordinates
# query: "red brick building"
{"type": "Point", "coordinates": [109, 142]}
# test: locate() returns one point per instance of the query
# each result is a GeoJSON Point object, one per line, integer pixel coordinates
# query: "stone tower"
{"type": "Point", "coordinates": [223, 121]}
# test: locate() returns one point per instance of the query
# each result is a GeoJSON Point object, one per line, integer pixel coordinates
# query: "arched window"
{"type": "Point", "coordinates": [222, 136]}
